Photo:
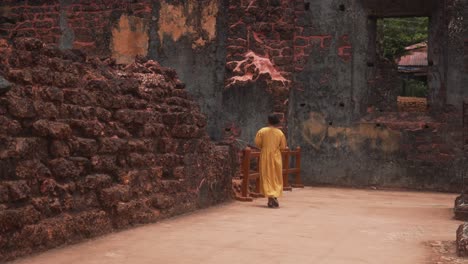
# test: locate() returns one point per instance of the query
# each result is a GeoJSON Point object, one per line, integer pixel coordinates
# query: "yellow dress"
{"type": "Point", "coordinates": [271, 140]}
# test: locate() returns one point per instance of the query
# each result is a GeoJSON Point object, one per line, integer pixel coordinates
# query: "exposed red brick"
{"type": "Point", "coordinates": [98, 149]}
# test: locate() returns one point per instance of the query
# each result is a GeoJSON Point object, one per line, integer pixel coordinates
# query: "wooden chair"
{"type": "Point", "coordinates": [249, 174]}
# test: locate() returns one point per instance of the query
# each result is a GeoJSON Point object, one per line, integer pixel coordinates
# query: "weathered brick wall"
{"type": "Point", "coordinates": [35, 19]}
{"type": "Point", "coordinates": [315, 62]}
{"type": "Point", "coordinates": [311, 61]}
{"type": "Point", "coordinates": [412, 104]}
{"type": "Point", "coordinates": [269, 42]}
{"type": "Point", "coordinates": [87, 147]}
{"type": "Point", "coordinates": [260, 52]}
{"type": "Point", "coordinates": [345, 113]}
{"type": "Point", "coordinates": [185, 35]}
{"type": "Point", "coordinates": [79, 24]}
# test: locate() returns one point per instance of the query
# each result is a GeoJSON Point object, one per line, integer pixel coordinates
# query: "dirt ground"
{"type": "Point", "coordinates": [313, 225]}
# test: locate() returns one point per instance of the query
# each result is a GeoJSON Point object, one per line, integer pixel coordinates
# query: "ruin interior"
{"type": "Point", "coordinates": [119, 112]}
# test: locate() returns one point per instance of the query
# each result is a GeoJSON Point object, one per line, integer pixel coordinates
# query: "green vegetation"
{"type": "Point", "coordinates": [414, 88]}
{"type": "Point", "coordinates": [394, 34]}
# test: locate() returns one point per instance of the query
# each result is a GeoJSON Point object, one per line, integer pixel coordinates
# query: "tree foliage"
{"type": "Point", "coordinates": [414, 88]}
{"type": "Point", "coordinates": [395, 34]}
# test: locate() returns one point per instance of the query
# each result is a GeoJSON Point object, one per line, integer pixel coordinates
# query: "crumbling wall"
{"type": "Point", "coordinates": [96, 27]}
{"type": "Point", "coordinates": [87, 147]}
{"type": "Point", "coordinates": [260, 60]}
{"type": "Point", "coordinates": [464, 38]}
{"type": "Point", "coordinates": [343, 110]}
{"type": "Point", "coordinates": [384, 86]}
{"type": "Point", "coordinates": [188, 36]}
{"type": "Point", "coordinates": [341, 106]}
{"type": "Point", "coordinates": [307, 60]}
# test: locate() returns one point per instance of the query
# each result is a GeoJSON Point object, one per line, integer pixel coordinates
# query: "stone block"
{"type": "Point", "coordinates": [134, 212]}
{"type": "Point", "coordinates": [185, 131]}
{"type": "Point", "coordinates": [111, 145]}
{"type": "Point", "coordinates": [97, 182]}
{"type": "Point", "coordinates": [30, 147]}
{"type": "Point", "coordinates": [32, 169]}
{"type": "Point", "coordinates": [104, 163]}
{"type": "Point", "coordinates": [153, 130]}
{"type": "Point", "coordinates": [46, 110]}
{"type": "Point", "coordinates": [84, 146]}
{"type": "Point", "coordinates": [21, 107]}
{"type": "Point", "coordinates": [4, 193]}
{"type": "Point", "coordinates": [118, 193]}
{"type": "Point", "coordinates": [462, 240]}
{"type": "Point", "coordinates": [88, 128]}
{"type": "Point", "coordinates": [47, 128]}
{"type": "Point", "coordinates": [18, 190]}
{"type": "Point", "coordinates": [9, 126]}
{"type": "Point", "coordinates": [125, 116]}
{"type": "Point", "coordinates": [53, 94]}
{"type": "Point", "coordinates": [162, 201]}
{"type": "Point", "coordinates": [461, 208]}
{"type": "Point", "coordinates": [64, 169]}
{"type": "Point", "coordinates": [167, 145]}
{"type": "Point", "coordinates": [59, 149]}
{"type": "Point", "coordinates": [137, 160]}
{"type": "Point", "coordinates": [12, 219]}
{"type": "Point", "coordinates": [5, 85]}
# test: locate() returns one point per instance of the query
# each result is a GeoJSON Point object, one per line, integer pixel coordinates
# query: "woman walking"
{"type": "Point", "coordinates": [271, 140]}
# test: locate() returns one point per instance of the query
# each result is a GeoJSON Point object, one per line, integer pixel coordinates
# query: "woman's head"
{"type": "Point", "coordinates": [273, 120]}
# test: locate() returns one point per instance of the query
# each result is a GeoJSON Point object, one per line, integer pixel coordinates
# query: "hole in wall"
{"type": "Point", "coordinates": [227, 129]}
{"type": "Point", "coordinates": [330, 123]}
{"type": "Point", "coordinates": [403, 41]}
{"type": "Point", "coordinates": [167, 175]}
{"type": "Point", "coordinates": [430, 63]}
{"type": "Point", "coordinates": [307, 6]}
{"type": "Point", "coordinates": [426, 126]}
{"type": "Point", "coordinates": [302, 105]}
{"type": "Point", "coordinates": [377, 125]}
{"type": "Point", "coordinates": [342, 104]}
{"type": "Point", "coordinates": [342, 7]}
{"type": "Point", "coordinates": [370, 64]}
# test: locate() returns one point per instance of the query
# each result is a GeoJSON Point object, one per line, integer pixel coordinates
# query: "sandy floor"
{"type": "Point", "coordinates": [313, 225]}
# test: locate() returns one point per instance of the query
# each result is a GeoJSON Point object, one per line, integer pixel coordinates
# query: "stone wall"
{"type": "Point", "coordinates": [85, 25]}
{"type": "Point", "coordinates": [259, 64]}
{"type": "Point", "coordinates": [314, 62]}
{"type": "Point", "coordinates": [311, 61]}
{"type": "Point", "coordinates": [88, 147]}
{"type": "Point", "coordinates": [343, 109]}
{"type": "Point", "coordinates": [185, 35]}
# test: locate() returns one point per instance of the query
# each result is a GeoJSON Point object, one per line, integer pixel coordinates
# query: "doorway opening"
{"type": "Point", "coordinates": [403, 41]}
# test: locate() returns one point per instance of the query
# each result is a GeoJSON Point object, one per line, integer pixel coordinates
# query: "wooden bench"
{"type": "Point", "coordinates": [249, 174]}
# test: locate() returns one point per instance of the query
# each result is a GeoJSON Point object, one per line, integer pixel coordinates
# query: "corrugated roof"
{"type": "Point", "coordinates": [417, 46]}
{"type": "Point", "coordinates": [415, 58]}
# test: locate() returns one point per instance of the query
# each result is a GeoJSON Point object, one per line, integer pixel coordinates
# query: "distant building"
{"type": "Point", "coordinates": [414, 61]}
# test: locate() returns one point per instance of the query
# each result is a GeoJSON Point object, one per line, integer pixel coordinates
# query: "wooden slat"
{"type": "Point", "coordinates": [298, 181]}
{"type": "Point", "coordinates": [291, 171]}
{"type": "Point", "coordinates": [245, 172]}
{"type": "Point", "coordinates": [255, 154]}
{"type": "Point", "coordinates": [286, 169]}
{"type": "Point", "coordinates": [254, 176]}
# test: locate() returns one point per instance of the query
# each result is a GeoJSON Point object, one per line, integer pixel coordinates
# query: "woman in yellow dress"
{"type": "Point", "coordinates": [271, 140]}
